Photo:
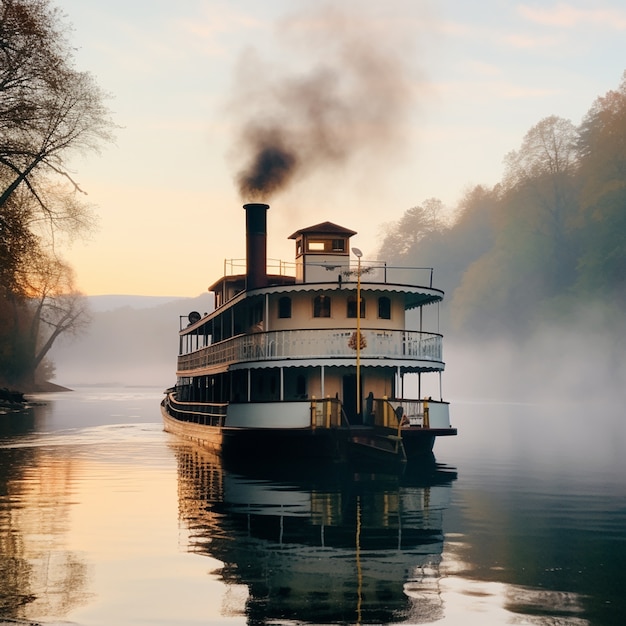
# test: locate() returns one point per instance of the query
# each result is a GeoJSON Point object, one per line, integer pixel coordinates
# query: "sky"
{"type": "Point", "coordinates": [419, 99]}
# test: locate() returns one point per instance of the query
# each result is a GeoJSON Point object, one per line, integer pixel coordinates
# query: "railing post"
{"type": "Point", "coordinates": [385, 411]}
{"type": "Point", "coordinates": [313, 412]}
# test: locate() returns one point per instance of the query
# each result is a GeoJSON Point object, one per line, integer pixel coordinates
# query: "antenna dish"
{"type": "Point", "coordinates": [193, 317]}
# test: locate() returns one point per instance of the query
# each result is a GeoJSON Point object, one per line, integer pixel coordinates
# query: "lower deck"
{"type": "Point", "coordinates": [391, 431]}
{"type": "Point", "coordinates": [354, 388]}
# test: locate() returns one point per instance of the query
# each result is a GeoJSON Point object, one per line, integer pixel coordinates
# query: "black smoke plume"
{"type": "Point", "coordinates": [345, 95]}
{"type": "Point", "coordinates": [272, 166]}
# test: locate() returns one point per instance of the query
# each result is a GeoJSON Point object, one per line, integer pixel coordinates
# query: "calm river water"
{"type": "Point", "coordinates": [105, 519]}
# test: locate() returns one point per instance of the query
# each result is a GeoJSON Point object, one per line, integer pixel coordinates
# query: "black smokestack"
{"type": "Point", "coordinates": [351, 102]}
{"type": "Point", "coordinates": [256, 245]}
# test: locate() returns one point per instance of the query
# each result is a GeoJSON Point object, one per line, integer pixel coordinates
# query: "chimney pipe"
{"type": "Point", "coordinates": [256, 245]}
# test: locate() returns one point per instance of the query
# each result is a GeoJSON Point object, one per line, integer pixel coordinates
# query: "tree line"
{"type": "Point", "coordinates": [537, 246]}
{"type": "Point", "coordinates": [545, 244]}
{"type": "Point", "coordinates": [50, 113]}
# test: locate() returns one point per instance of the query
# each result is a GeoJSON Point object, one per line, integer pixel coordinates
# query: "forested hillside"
{"type": "Point", "coordinates": [545, 245]}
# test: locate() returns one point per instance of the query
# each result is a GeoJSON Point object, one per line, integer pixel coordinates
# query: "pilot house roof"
{"type": "Point", "coordinates": [325, 228]}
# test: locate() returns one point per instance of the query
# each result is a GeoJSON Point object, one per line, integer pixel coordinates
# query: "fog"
{"type": "Point", "coordinates": [578, 363]}
{"type": "Point", "coordinates": [135, 342]}
{"type": "Point", "coordinates": [131, 341]}
{"type": "Point", "coordinates": [508, 399]}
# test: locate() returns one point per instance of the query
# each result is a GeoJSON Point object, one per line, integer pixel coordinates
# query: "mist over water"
{"type": "Point", "coordinates": [521, 521]}
{"type": "Point", "coordinates": [127, 343]}
{"type": "Point", "coordinates": [554, 365]}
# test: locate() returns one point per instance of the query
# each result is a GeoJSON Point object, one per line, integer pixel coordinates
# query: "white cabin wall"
{"type": "Point", "coordinates": [315, 267]}
{"type": "Point", "coordinates": [302, 311]}
{"type": "Point", "coordinates": [378, 384]}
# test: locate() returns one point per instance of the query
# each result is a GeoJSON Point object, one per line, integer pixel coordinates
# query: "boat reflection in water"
{"type": "Point", "coordinates": [341, 547]}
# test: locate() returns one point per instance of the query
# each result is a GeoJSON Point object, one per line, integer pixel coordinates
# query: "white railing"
{"type": "Point", "coordinates": [312, 344]}
{"type": "Point", "coordinates": [371, 271]}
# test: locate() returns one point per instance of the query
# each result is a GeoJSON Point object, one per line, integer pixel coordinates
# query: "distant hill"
{"type": "Point", "coordinates": [132, 340]}
{"type": "Point", "coordinates": [112, 302]}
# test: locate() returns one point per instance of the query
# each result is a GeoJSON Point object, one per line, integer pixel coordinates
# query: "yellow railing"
{"type": "Point", "coordinates": [396, 414]}
{"type": "Point", "coordinates": [326, 413]}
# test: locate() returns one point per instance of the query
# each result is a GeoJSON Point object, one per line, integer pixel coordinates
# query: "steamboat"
{"type": "Point", "coordinates": [327, 358]}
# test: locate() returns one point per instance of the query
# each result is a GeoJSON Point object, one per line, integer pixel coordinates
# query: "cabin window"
{"type": "Point", "coordinates": [339, 245]}
{"type": "Point", "coordinates": [321, 306]}
{"type": "Point", "coordinates": [315, 246]}
{"type": "Point", "coordinates": [384, 308]}
{"type": "Point", "coordinates": [284, 307]}
{"type": "Point", "coordinates": [351, 311]}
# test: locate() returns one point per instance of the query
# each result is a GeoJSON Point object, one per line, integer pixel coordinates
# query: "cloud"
{"type": "Point", "coordinates": [566, 16]}
{"type": "Point", "coordinates": [208, 32]}
{"type": "Point", "coordinates": [481, 90]}
{"type": "Point", "coordinates": [530, 41]}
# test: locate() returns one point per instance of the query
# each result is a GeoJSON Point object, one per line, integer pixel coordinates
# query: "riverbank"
{"type": "Point", "coordinates": [49, 387]}
{"type": "Point", "coordinates": [13, 398]}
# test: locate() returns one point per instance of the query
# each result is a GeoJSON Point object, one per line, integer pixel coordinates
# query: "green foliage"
{"type": "Point", "coordinates": [547, 242]}
{"type": "Point", "coordinates": [602, 264]}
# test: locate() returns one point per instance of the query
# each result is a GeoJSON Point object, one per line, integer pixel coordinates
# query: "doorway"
{"type": "Point", "coordinates": [349, 398]}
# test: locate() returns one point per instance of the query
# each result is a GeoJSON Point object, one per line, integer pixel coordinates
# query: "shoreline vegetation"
{"type": "Point", "coordinates": [12, 398]}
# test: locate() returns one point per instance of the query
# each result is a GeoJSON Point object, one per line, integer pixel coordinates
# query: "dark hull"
{"type": "Point", "coordinates": [385, 446]}
{"type": "Point", "coordinates": [286, 444]}
{"type": "Point", "coordinates": [354, 444]}
{"type": "Point", "coordinates": [419, 442]}
{"type": "Point", "coordinates": [261, 444]}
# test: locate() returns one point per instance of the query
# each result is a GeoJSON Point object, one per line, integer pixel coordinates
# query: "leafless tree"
{"type": "Point", "coordinates": [49, 113]}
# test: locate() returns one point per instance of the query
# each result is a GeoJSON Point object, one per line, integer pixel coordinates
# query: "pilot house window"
{"type": "Point", "coordinates": [321, 306]}
{"type": "Point", "coordinates": [326, 246]}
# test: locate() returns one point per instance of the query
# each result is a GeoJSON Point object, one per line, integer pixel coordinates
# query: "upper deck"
{"type": "Point", "coordinates": [323, 294]}
{"type": "Point", "coordinates": [325, 274]}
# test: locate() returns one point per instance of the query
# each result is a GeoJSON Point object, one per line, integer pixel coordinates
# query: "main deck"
{"type": "Point", "coordinates": [393, 430]}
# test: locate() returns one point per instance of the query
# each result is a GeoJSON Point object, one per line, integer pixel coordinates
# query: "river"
{"type": "Point", "coordinates": [105, 519]}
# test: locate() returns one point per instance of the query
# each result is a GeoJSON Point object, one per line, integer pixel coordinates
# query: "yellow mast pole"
{"type": "Point", "coordinates": [358, 255]}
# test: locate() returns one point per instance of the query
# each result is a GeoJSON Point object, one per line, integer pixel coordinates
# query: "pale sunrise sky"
{"type": "Point", "coordinates": [183, 75]}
